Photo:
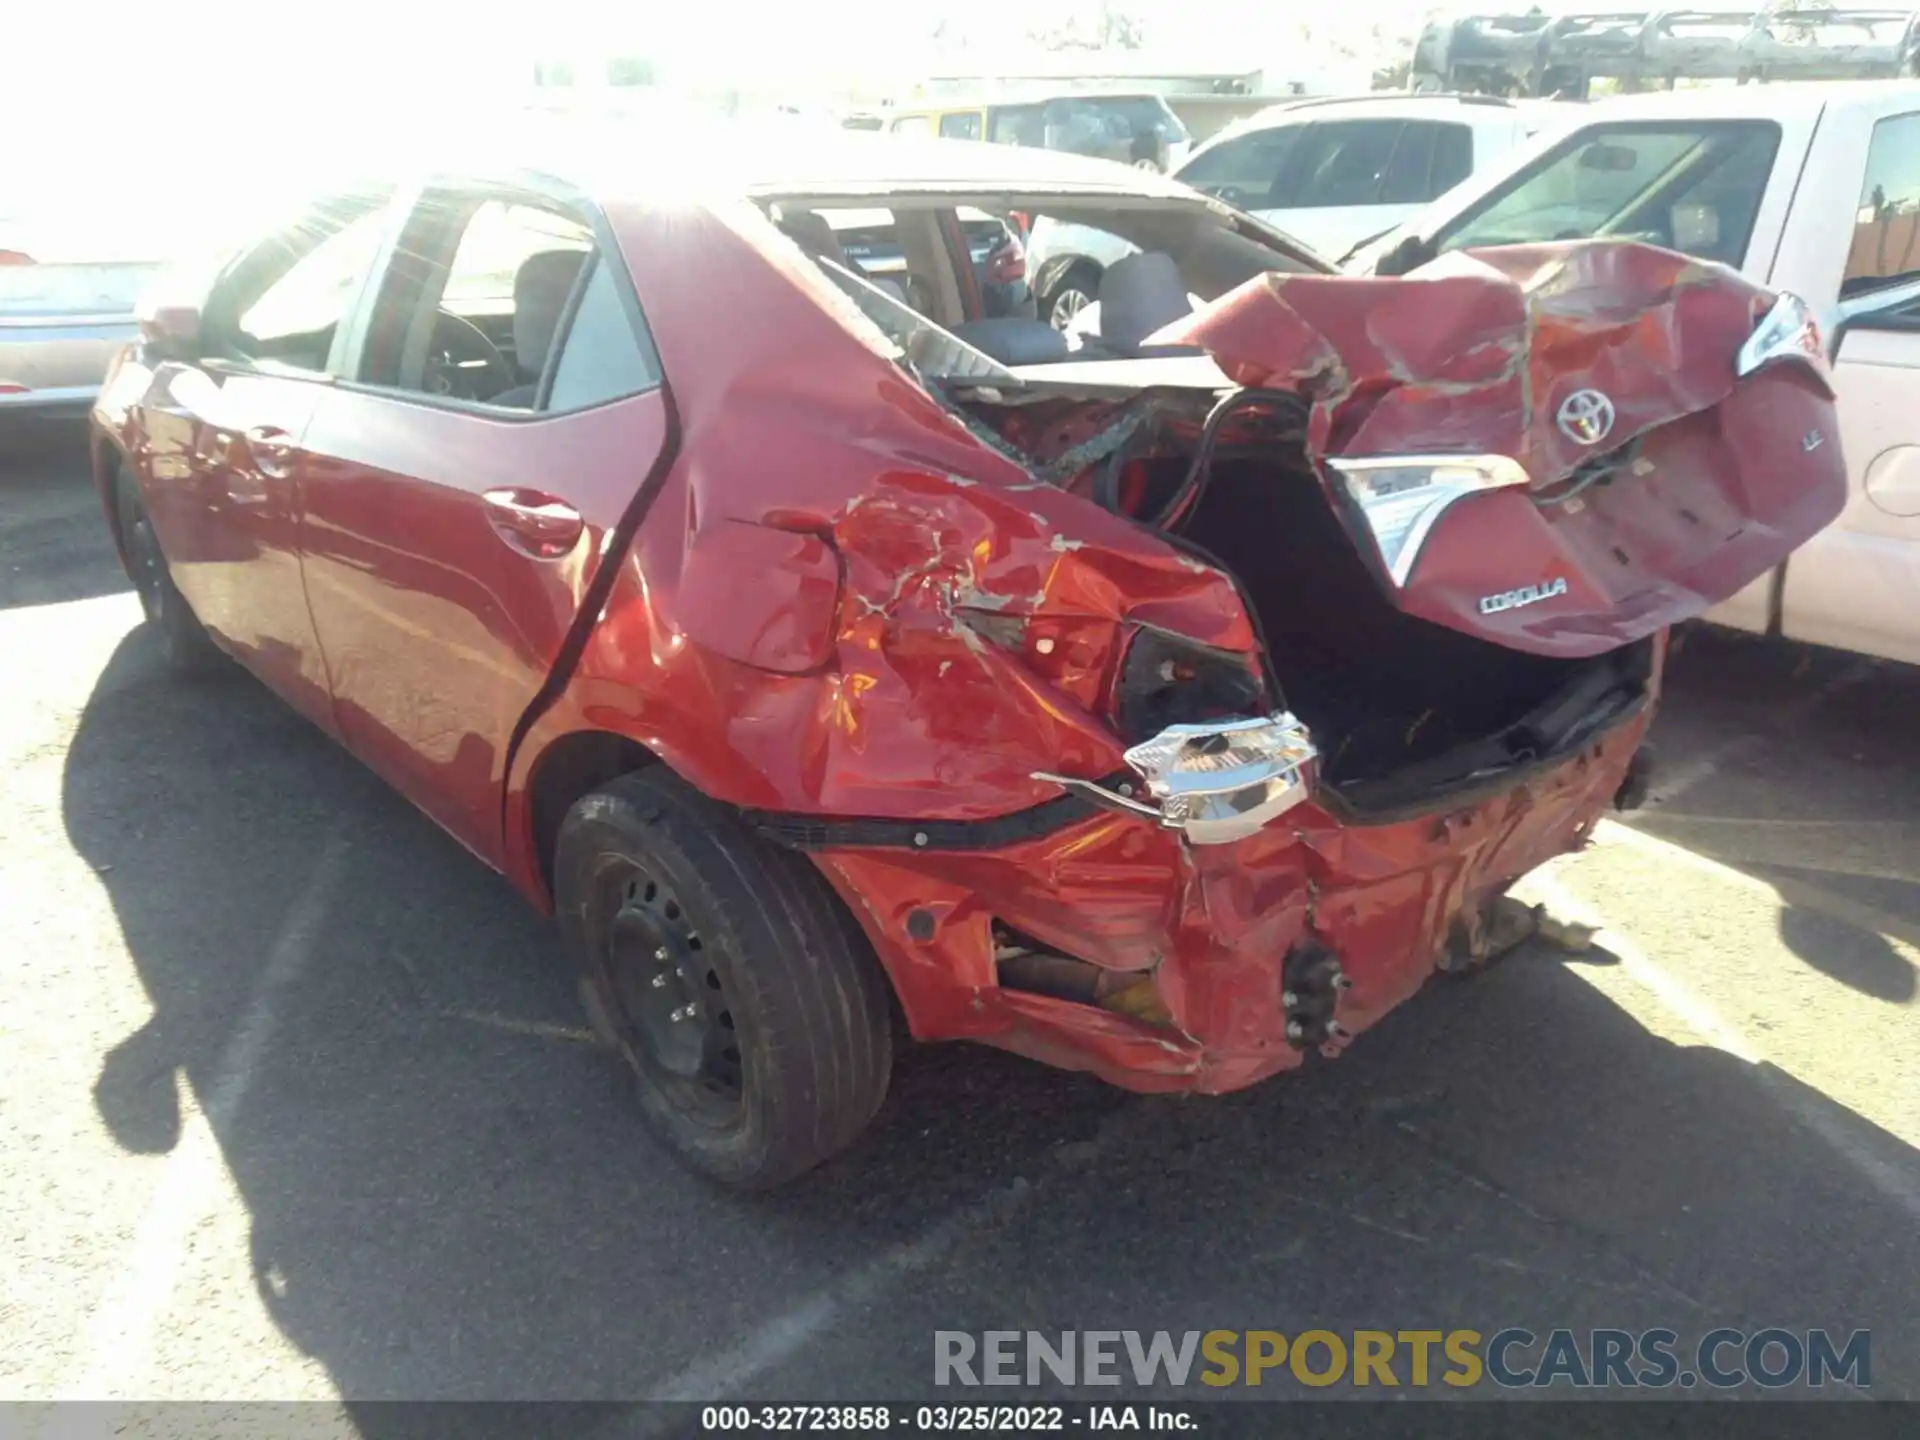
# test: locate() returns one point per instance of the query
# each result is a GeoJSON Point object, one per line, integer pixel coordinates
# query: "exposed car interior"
{"type": "Point", "coordinates": [1187, 253]}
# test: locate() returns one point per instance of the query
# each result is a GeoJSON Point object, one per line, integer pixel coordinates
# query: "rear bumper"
{"type": "Point", "coordinates": [1212, 925]}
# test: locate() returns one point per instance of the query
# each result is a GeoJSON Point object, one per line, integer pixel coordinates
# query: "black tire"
{"type": "Point", "coordinates": [184, 643]}
{"type": "Point", "coordinates": [666, 900]}
{"type": "Point", "coordinates": [1068, 295]}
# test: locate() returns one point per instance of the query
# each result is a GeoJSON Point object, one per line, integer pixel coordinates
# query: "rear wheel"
{"type": "Point", "coordinates": [745, 1005]}
{"type": "Point", "coordinates": [1069, 295]}
{"type": "Point", "coordinates": [184, 642]}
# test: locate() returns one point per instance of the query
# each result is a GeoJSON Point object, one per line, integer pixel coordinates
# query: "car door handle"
{"type": "Point", "coordinates": [272, 451]}
{"type": "Point", "coordinates": [534, 523]}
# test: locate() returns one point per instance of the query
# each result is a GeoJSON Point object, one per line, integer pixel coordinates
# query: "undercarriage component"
{"type": "Point", "coordinates": [1503, 927]}
{"type": "Point", "coordinates": [1023, 964]}
{"type": "Point", "coordinates": [1312, 983]}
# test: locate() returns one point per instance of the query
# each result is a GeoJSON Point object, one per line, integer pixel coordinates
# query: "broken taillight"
{"type": "Point", "coordinates": [1401, 497]}
{"type": "Point", "coordinates": [1170, 680]}
{"type": "Point", "coordinates": [1214, 783]}
{"type": "Point", "coordinates": [1789, 331]}
{"type": "Point", "coordinates": [15, 257]}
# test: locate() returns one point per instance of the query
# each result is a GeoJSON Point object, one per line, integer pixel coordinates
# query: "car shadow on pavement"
{"type": "Point", "coordinates": [50, 547]}
{"type": "Point", "coordinates": [448, 1199]}
{"type": "Point", "coordinates": [1811, 785]}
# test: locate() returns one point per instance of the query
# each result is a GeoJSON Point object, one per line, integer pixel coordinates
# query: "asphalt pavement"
{"type": "Point", "coordinates": [299, 1105]}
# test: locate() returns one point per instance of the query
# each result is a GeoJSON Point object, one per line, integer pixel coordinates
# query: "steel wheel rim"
{"type": "Point", "coordinates": [670, 1009]}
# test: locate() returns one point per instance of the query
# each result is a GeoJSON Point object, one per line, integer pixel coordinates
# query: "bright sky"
{"type": "Point", "coordinates": [191, 51]}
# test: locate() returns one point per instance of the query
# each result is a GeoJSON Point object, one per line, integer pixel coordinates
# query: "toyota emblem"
{"type": "Point", "coordinates": [1585, 417]}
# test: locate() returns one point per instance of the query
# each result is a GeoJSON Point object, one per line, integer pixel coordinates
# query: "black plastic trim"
{"type": "Point", "coordinates": [831, 832]}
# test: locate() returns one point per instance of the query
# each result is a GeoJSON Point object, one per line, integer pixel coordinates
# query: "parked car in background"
{"type": "Point", "coordinates": [71, 275]}
{"type": "Point", "coordinates": [1148, 708]}
{"type": "Point", "coordinates": [1338, 172]}
{"type": "Point", "coordinates": [1333, 173]}
{"type": "Point", "coordinates": [868, 242]}
{"type": "Point", "coordinates": [76, 258]}
{"type": "Point", "coordinates": [1131, 129]}
{"type": "Point", "coordinates": [1812, 189]}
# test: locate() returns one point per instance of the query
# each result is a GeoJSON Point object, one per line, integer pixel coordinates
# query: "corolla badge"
{"type": "Point", "coordinates": [1585, 417]}
{"type": "Point", "coordinates": [1525, 595]}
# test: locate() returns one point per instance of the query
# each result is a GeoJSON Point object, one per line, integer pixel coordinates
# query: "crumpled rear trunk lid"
{"type": "Point", "coordinates": [1641, 478]}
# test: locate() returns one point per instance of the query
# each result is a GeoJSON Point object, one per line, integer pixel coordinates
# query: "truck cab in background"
{"type": "Point", "coordinates": [1809, 189]}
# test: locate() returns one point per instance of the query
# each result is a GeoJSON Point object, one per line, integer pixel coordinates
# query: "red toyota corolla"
{"type": "Point", "coordinates": [1167, 700]}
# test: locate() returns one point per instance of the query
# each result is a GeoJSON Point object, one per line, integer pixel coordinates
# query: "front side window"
{"type": "Point", "coordinates": [1886, 225]}
{"type": "Point", "coordinates": [1695, 188]}
{"type": "Point", "coordinates": [912, 125]}
{"type": "Point", "coordinates": [286, 301]}
{"type": "Point", "coordinates": [1428, 160]}
{"type": "Point", "coordinates": [961, 125]}
{"type": "Point", "coordinates": [479, 299]}
{"type": "Point", "coordinates": [1246, 171]}
{"type": "Point", "coordinates": [1343, 163]}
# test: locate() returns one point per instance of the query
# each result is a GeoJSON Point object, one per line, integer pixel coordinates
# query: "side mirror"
{"type": "Point", "coordinates": [171, 332]}
{"type": "Point", "coordinates": [1410, 254]}
{"type": "Point", "coordinates": [1870, 307]}
{"type": "Point", "coordinates": [1602, 156]}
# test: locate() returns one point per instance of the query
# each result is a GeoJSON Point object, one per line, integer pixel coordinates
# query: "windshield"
{"type": "Point", "coordinates": [1693, 187]}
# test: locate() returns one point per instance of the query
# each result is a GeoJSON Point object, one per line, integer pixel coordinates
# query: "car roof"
{"type": "Point", "coordinates": [622, 158]}
{"type": "Point", "coordinates": [1389, 105]}
{"type": "Point", "coordinates": [1776, 100]}
{"type": "Point", "coordinates": [1020, 92]}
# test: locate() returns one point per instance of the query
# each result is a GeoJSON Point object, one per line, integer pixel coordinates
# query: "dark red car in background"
{"type": "Point", "coordinates": [1167, 703]}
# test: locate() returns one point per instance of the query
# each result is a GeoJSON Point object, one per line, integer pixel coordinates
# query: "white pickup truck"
{"type": "Point", "coordinates": [1811, 189]}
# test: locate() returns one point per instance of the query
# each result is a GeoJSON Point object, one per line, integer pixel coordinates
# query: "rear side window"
{"type": "Point", "coordinates": [603, 358]}
{"type": "Point", "coordinates": [1124, 129]}
{"type": "Point", "coordinates": [1886, 226]}
{"type": "Point", "coordinates": [1690, 187]}
{"type": "Point", "coordinates": [1018, 125]}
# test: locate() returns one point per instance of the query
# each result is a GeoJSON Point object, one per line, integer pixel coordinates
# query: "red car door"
{"type": "Point", "coordinates": [502, 411]}
{"type": "Point", "coordinates": [223, 460]}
